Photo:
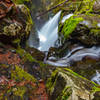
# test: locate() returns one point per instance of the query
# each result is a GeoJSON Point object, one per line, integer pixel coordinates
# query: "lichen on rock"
{"type": "Point", "coordinates": [15, 82]}
{"type": "Point", "coordinates": [12, 29]}
{"type": "Point", "coordinates": [16, 26]}
{"type": "Point", "coordinates": [65, 84]}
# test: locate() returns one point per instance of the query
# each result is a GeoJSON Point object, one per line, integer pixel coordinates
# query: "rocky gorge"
{"type": "Point", "coordinates": [67, 69]}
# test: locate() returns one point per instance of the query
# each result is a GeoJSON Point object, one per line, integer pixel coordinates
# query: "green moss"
{"type": "Point", "coordinates": [57, 2]}
{"type": "Point", "coordinates": [20, 1]}
{"type": "Point", "coordinates": [82, 7]}
{"type": "Point", "coordinates": [95, 32]}
{"type": "Point", "coordinates": [86, 6]}
{"type": "Point", "coordinates": [70, 25]}
{"type": "Point", "coordinates": [29, 21]}
{"type": "Point", "coordinates": [16, 41]}
{"type": "Point", "coordinates": [96, 89]}
{"type": "Point", "coordinates": [75, 74]}
{"type": "Point", "coordinates": [25, 55]}
{"type": "Point", "coordinates": [69, 70]}
{"type": "Point", "coordinates": [51, 83]}
{"type": "Point", "coordinates": [19, 74]}
{"type": "Point", "coordinates": [26, 10]}
{"type": "Point", "coordinates": [65, 93]}
{"type": "Point", "coordinates": [79, 6]}
{"type": "Point", "coordinates": [19, 91]}
{"type": "Point", "coordinates": [21, 86]}
{"type": "Point", "coordinates": [28, 57]}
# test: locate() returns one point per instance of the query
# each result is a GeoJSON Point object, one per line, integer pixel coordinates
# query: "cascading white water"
{"type": "Point", "coordinates": [75, 55]}
{"type": "Point", "coordinates": [48, 33]}
{"type": "Point", "coordinates": [96, 78]}
{"type": "Point", "coordinates": [66, 17]}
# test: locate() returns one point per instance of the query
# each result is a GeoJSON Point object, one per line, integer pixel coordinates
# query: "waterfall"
{"type": "Point", "coordinates": [48, 33]}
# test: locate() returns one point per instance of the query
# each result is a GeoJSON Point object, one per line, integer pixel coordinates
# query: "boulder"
{"type": "Point", "coordinates": [64, 84]}
{"type": "Point", "coordinates": [15, 83]}
{"type": "Point", "coordinates": [16, 26]}
{"type": "Point", "coordinates": [84, 28]}
{"type": "Point", "coordinates": [21, 75]}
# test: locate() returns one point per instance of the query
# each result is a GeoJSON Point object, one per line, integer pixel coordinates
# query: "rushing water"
{"type": "Point", "coordinates": [96, 78]}
{"type": "Point", "coordinates": [77, 54]}
{"type": "Point", "coordinates": [80, 58]}
{"type": "Point", "coordinates": [48, 33]}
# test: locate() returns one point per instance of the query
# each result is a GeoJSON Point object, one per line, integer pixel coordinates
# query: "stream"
{"type": "Point", "coordinates": [46, 37]}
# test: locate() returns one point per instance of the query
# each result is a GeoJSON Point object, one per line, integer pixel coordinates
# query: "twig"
{"type": "Point", "coordinates": [52, 8]}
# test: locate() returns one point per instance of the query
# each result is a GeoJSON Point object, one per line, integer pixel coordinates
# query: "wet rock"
{"type": "Point", "coordinates": [36, 68]}
{"type": "Point", "coordinates": [88, 31]}
{"type": "Point", "coordinates": [16, 26]}
{"type": "Point", "coordinates": [20, 72]}
{"type": "Point", "coordinates": [65, 84]}
{"type": "Point", "coordinates": [33, 40]}
{"type": "Point", "coordinates": [24, 59]}
{"type": "Point", "coordinates": [87, 67]}
{"type": "Point", "coordinates": [82, 60]}
{"type": "Point", "coordinates": [15, 83]}
{"type": "Point", "coordinates": [83, 26]}
{"type": "Point", "coordinates": [20, 75]}
{"type": "Point", "coordinates": [38, 55]}
{"type": "Point", "coordinates": [85, 29]}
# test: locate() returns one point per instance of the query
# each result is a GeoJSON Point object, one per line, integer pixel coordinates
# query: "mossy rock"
{"type": "Point", "coordinates": [19, 74]}
{"type": "Point", "coordinates": [16, 27]}
{"type": "Point", "coordinates": [70, 25]}
{"type": "Point", "coordinates": [65, 84]}
{"type": "Point", "coordinates": [82, 60]}
{"type": "Point", "coordinates": [36, 66]}
{"type": "Point", "coordinates": [38, 55]}
{"type": "Point", "coordinates": [17, 84]}
{"type": "Point", "coordinates": [84, 28]}
{"type": "Point", "coordinates": [21, 1]}
{"type": "Point", "coordinates": [76, 6]}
